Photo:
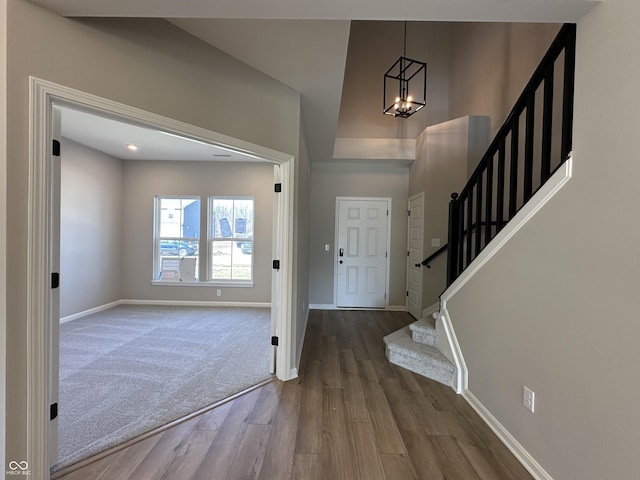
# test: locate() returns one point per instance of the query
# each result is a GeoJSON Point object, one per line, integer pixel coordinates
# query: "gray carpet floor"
{"type": "Point", "coordinates": [131, 369]}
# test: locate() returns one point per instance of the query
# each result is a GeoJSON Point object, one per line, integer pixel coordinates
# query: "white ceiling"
{"type": "Point", "coordinates": [303, 43]}
{"type": "Point", "coordinates": [444, 10]}
{"type": "Point", "coordinates": [111, 136]}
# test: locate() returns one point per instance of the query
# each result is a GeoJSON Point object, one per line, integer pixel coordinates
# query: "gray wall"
{"type": "Point", "coordinates": [329, 181]}
{"type": "Point", "coordinates": [90, 228]}
{"type": "Point", "coordinates": [557, 308]}
{"type": "Point", "coordinates": [371, 50]}
{"type": "Point", "coordinates": [443, 155]}
{"type": "Point", "coordinates": [145, 179]}
{"type": "Point", "coordinates": [301, 251]}
{"type": "Point", "coordinates": [148, 64]}
{"type": "Point", "coordinates": [490, 65]}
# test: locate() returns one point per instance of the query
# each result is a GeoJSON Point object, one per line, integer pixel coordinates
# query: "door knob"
{"type": "Point", "coordinates": [417, 265]}
{"type": "Point", "coordinates": [340, 262]}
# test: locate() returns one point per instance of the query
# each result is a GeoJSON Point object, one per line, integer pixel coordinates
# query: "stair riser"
{"type": "Point", "coordinates": [424, 367]}
{"type": "Point", "coordinates": [424, 338]}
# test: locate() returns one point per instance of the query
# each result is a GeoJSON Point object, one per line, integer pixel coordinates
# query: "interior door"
{"type": "Point", "coordinates": [54, 307]}
{"type": "Point", "coordinates": [415, 237]}
{"type": "Point", "coordinates": [362, 251]}
{"type": "Point", "coordinates": [275, 279]}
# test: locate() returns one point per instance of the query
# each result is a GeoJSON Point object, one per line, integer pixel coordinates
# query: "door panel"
{"type": "Point", "coordinates": [415, 250]}
{"type": "Point", "coordinates": [362, 227]}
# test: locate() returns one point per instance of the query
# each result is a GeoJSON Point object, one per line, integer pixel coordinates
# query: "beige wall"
{"type": "Point", "coordinates": [557, 308]}
{"type": "Point", "coordinates": [143, 180]}
{"type": "Point", "coordinates": [490, 65]}
{"type": "Point", "coordinates": [91, 244]}
{"type": "Point", "coordinates": [329, 181]}
{"type": "Point", "coordinates": [372, 50]}
{"type": "Point", "coordinates": [150, 65]}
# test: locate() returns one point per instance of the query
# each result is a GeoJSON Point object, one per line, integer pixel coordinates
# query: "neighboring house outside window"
{"type": "Point", "coordinates": [231, 239]}
{"type": "Point", "coordinates": [177, 238]}
{"type": "Point", "coordinates": [229, 246]}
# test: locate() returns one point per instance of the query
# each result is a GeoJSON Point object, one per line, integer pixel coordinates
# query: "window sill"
{"type": "Point", "coordinates": [166, 283]}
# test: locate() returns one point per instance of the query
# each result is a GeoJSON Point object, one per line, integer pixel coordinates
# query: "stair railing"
{"type": "Point", "coordinates": [521, 158]}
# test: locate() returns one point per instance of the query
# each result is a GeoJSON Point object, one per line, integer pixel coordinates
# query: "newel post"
{"type": "Point", "coordinates": [453, 241]}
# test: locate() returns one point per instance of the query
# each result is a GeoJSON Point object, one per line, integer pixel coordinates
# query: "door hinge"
{"type": "Point", "coordinates": [278, 187]}
{"type": "Point", "coordinates": [408, 213]}
{"type": "Point", "coordinates": [55, 151]}
{"type": "Point", "coordinates": [276, 264]}
{"type": "Point", "coordinates": [274, 341]}
{"type": "Point", "coordinates": [407, 293]}
{"type": "Point", "coordinates": [53, 411]}
{"type": "Point", "coordinates": [407, 253]}
{"type": "Point", "coordinates": [386, 254]}
{"type": "Point", "coordinates": [55, 280]}
{"type": "Point", "coordinates": [387, 213]}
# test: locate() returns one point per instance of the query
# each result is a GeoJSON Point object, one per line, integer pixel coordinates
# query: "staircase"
{"type": "Point", "coordinates": [414, 348]}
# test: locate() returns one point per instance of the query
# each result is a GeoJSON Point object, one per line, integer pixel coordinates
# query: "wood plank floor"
{"type": "Point", "coordinates": [349, 415]}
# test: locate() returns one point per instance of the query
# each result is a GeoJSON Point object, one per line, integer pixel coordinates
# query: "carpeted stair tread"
{"type": "Point", "coordinates": [422, 359]}
{"type": "Point", "coordinates": [424, 331]}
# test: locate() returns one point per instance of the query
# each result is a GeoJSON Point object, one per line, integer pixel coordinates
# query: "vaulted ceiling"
{"type": "Point", "coordinates": [304, 43]}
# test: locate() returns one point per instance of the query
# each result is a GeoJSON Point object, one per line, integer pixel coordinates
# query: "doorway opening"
{"type": "Point", "coordinates": [42, 318]}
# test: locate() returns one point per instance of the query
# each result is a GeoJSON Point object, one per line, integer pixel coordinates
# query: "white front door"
{"type": "Point", "coordinates": [415, 236]}
{"type": "Point", "coordinates": [362, 252]}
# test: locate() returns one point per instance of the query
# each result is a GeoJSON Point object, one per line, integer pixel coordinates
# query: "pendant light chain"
{"type": "Point", "coordinates": [404, 54]}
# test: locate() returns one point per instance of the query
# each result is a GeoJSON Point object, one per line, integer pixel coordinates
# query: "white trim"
{"type": "Point", "coordinates": [322, 306]}
{"type": "Point", "coordinates": [537, 201]}
{"type": "Point", "coordinates": [169, 283]}
{"type": "Point", "coordinates": [173, 303]}
{"type": "Point", "coordinates": [331, 306]}
{"type": "Point", "coordinates": [38, 315]}
{"type": "Point", "coordinates": [462, 372]}
{"type": "Point", "coordinates": [90, 311]}
{"type": "Point", "coordinates": [396, 308]}
{"type": "Point", "coordinates": [527, 461]}
{"type": "Point", "coordinates": [195, 303]}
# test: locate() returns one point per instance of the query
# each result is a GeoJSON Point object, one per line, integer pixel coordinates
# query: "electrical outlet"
{"type": "Point", "coordinates": [219, 293]}
{"type": "Point", "coordinates": [529, 398]}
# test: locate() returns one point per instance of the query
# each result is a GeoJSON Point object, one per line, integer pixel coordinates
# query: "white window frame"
{"type": "Point", "coordinates": [211, 238]}
{"type": "Point", "coordinates": [157, 238]}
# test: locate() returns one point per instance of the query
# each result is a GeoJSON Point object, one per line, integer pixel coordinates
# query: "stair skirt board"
{"type": "Point", "coordinates": [422, 359]}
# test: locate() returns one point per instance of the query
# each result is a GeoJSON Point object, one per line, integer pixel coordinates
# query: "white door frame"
{"type": "Point", "coordinates": [42, 96]}
{"type": "Point", "coordinates": [337, 241]}
{"type": "Point", "coordinates": [418, 196]}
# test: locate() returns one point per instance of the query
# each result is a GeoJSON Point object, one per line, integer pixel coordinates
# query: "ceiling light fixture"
{"type": "Point", "coordinates": [132, 147]}
{"type": "Point", "coordinates": [405, 85]}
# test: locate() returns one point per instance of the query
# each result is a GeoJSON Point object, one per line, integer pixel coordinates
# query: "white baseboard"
{"type": "Point", "coordinates": [90, 311]}
{"type": "Point", "coordinates": [321, 306]}
{"type": "Point", "coordinates": [532, 466]}
{"type": "Point", "coordinates": [195, 303]}
{"type": "Point", "coordinates": [330, 306]}
{"type": "Point", "coordinates": [175, 303]}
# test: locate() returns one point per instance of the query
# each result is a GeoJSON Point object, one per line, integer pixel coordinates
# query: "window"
{"type": "Point", "coordinates": [231, 239]}
{"type": "Point", "coordinates": [177, 239]}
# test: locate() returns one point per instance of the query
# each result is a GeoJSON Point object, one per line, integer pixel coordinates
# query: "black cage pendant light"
{"type": "Point", "coordinates": [405, 85]}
